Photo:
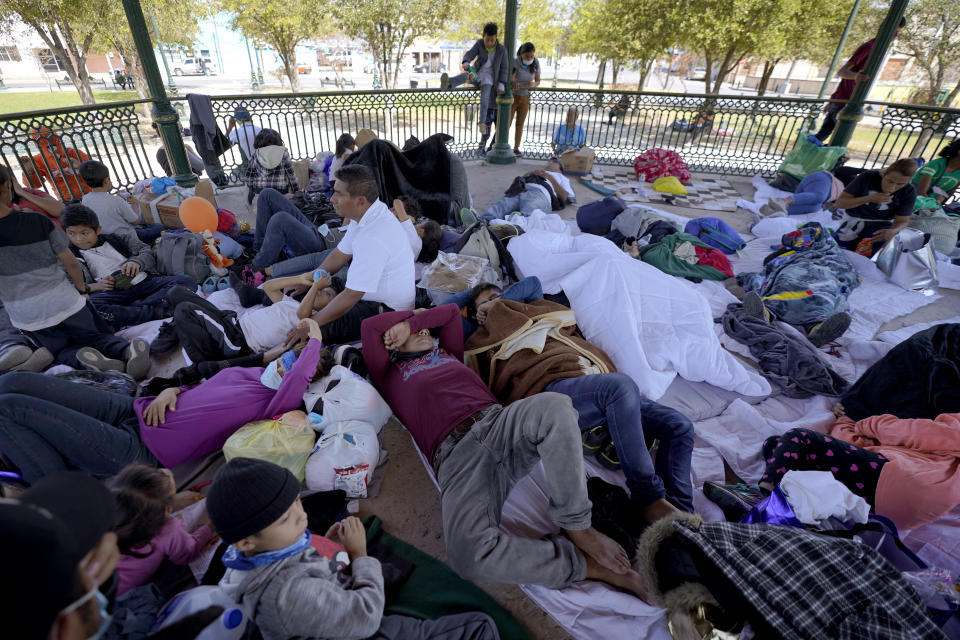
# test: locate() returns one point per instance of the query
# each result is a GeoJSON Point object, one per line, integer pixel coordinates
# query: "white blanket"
{"type": "Point", "coordinates": [652, 325]}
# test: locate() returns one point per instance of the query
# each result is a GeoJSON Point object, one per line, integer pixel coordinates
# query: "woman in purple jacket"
{"type": "Point", "coordinates": [49, 425]}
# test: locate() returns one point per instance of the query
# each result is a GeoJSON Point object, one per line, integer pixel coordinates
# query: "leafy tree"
{"type": "Point", "coordinates": [281, 24]}
{"type": "Point", "coordinates": [624, 32]}
{"type": "Point", "coordinates": [726, 31]}
{"type": "Point", "coordinates": [538, 21]}
{"type": "Point", "coordinates": [178, 24]}
{"type": "Point", "coordinates": [932, 39]}
{"type": "Point", "coordinates": [389, 27]}
{"type": "Point", "coordinates": [67, 27]}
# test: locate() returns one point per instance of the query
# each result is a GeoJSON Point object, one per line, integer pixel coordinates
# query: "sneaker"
{"type": "Point", "coordinates": [468, 217]}
{"type": "Point", "coordinates": [735, 500]}
{"type": "Point", "coordinates": [209, 285]}
{"type": "Point", "coordinates": [90, 358]}
{"type": "Point", "coordinates": [166, 341]}
{"type": "Point", "coordinates": [753, 306]}
{"type": "Point", "coordinates": [444, 81]}
{"type": "Point", "coordinates": [829, 330]}
{"type": "Point", "coordinates": [37, 362]}
{"type": "Point", "coordinates": [609, 457]}
{"type": "Point", "coordinates": [138, 359]}
{"type": "Point", "coordinates": [595, 440]}
{"type": "Point", "coordinates": [517, 153]}
{"type": "Point", "coordinates": [14, 355]}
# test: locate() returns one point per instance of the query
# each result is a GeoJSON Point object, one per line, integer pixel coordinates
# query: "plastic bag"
{"type": "Point", "coordinates": [346, 396]}
{"type": "Point", "coordinates": [345, 457]}
{"type": "Point", "coordinates": [806, 158]}
{"type": "Point", "coordinates": [453, 273]}
{"type": "Point", "coordinates": [774, 509]}
{"type": "Point", "coordinates": [908, 260]}
{"type": "Point", "coordinates": [286, 441]}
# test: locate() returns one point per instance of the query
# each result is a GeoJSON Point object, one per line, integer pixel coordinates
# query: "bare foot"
{"type": "Point", "coordinates": [599, 547]}
{"type": "Point", "coordinates": [838, 410]}
{"type": "Point", "coordinates": [630, 581]}
{"type": "Point", "coordinates": [659, 509]}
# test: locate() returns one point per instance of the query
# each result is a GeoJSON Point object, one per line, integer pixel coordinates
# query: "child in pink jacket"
{"type": "Point", "coordinates": [146, 532]}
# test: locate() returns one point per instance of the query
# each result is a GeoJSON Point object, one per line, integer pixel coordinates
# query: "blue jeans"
{"type": "Point", "coordinates": [811, 193]}
{"type": "Point", "coordinates": [302, 264]}
{"type": "Point", "coordinates": [140, 303]}
{"type": "Point", "coordinates": [634, 422]}
{"type": "Point", "coordinates": [148, 233]}
{"type": "Point", "coordinates": [85, 328]}
{"type": "Point", "coordinates": [279, 224]}
{"type": "Point", "coordinates": [829, 122]}
{"type": "Point", "coordinates": [526, 203]}
{"type": "Point", "coordinates": [485, 91]}
{"type": "Point", "coordinates": [48, 424]}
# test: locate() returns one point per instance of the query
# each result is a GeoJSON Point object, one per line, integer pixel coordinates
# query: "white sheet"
{"type": "Point", "coordinates": [663, 326]}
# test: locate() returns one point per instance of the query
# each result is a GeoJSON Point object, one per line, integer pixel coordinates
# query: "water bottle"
{"type": "Point", "coordinates": [229, 626]}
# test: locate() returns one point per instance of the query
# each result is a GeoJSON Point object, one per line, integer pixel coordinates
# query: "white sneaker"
{"type": "Point", "coordinates": [138, 359]}
{"type": "Point", "coordinates": [90, 358]}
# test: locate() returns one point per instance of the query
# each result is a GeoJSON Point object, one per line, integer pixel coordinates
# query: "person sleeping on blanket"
{"type": "Point", "coordinates": [48, 424]}
{"type": "Point", "coordinates": [208, 333]}
{"type": "Point", "coordinates": [906, 469]}
{"type": "Point", "coordinates": [545, 189]}
{"type": "Point", "coordinates": [479, 449]}
{"type": "Point", "coordinates": [525, 345]}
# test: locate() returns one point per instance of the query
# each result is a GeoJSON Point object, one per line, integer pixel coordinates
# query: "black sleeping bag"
{"type": "Point", "coordinates": [918, 378]}
{"type": "Point", "coordinates": [421, 173]}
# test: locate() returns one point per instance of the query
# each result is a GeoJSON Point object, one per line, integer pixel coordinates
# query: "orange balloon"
{"type": "Point", "coordinates": [198, 215]}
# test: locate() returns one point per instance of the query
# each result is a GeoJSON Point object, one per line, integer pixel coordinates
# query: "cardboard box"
{"type": "Point", "coordinates": [577, 162]}
{"type": "Point", "coordinates": [301, 169]}
{"type": "Point", "coordinates": [364, 136]}
{"type": "Point", "coordinates": [204, 189]}
{"type": "Point", "coordinates": [141, 204]}
{"type": "Point", "coordinates": [168, 210]}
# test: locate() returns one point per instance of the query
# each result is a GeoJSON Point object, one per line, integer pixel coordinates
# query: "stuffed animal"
{"type": "Point", "coordinates": [217, 261]}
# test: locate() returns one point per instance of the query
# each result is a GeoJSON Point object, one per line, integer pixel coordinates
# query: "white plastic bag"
{"type": "Point", "coordinates": [344, 457]}
{"type": "Point", "coordinates": [453, 273]}
{"type": "Point", "coordinates": [351, 398]}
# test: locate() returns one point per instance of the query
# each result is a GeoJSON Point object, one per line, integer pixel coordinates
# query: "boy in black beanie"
{"type": "Point", "coordinates": [274, 568]}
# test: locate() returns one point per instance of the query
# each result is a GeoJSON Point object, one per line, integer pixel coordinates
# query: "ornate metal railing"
{"type": "Point", "coordinates": [717, 134]}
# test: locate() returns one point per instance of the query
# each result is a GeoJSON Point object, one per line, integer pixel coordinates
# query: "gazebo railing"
{"type": "Point", "coordinates": [734, 135]}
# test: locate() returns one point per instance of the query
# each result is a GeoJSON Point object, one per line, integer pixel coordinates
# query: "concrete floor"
{"type": "Point", "coordinates": [409, 502]}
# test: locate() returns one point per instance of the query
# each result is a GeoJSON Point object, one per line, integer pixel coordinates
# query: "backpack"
{"type": "Point", "coordinates": [181, 254]}
{"type": "Point", "coordinates": [480, 242]}
{"type": "Point", "coordinates": [716, 233]}
{"type": "Point", "coordinates": [596, 217]}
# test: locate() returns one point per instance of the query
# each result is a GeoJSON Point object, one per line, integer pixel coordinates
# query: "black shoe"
{"type": "Point", "coordinates": [609, 458]}
{"type": "Point", "coordinates": [753, 306]}
{"type": "Point", "coordinates": [595, 440]}
{"type": "Point", "coordinates": [166, 341]}
{"type": "Point", "coordinates": [830, 329]}
{"type": "Point", "coordinates": [735, 500]}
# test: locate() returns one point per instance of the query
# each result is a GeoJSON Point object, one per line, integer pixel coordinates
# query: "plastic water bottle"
{"type": "Point", "coordinates": [229, 626]}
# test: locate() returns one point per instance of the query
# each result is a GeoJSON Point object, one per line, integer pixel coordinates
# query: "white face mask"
{"type": "Point", "coordinates": [270, 377]}
{"type": "Point", "coordinates": [527, 62]}
{"type": "Point", "coordinates": [102, 604]}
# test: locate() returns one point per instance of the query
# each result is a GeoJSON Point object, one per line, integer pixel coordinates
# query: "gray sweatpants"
{"type": "Point", "coordinates": [462, 626]}
{"type": "Point", "coordinates": [477, 475]}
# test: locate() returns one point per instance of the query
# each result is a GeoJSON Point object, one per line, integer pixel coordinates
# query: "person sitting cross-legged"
{"type": "Point", "coordinates": [479, 449]}
{"type": "Point", "coordinates": [548, 353]}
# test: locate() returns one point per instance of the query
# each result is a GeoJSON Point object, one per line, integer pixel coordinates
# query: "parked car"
{"type": "Point", "coordinates": [430, 67]}
{"type": "Point", "coordinates": [195, 67]}
{"type": "Point", "coordinates": [304, 68]}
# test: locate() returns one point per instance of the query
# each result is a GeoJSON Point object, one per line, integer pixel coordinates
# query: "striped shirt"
{"type": "Point", "coordinates": [34, 288]}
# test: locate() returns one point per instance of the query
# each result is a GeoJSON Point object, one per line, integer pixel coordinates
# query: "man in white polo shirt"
{"type": "Point", "coordinates": [376, 246]}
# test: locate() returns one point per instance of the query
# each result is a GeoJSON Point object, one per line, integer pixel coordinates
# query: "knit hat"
{"type": "Point", "coordinates": [249, 495]}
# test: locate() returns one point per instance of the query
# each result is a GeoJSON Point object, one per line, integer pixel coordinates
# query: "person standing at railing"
{"type": "Point", "coordinates": [56, 164]}
{"type": "Point", "coordinates": [850, 74]}
{"type": "Point", "coordinates": [526, 75]}
{"type": "Point", "coordinates": [485, 66]}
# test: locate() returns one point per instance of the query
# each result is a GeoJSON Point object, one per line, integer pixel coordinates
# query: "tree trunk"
{"type": "Point", "coordinates": [644, 72]}
{"type": "Point", "coordinates": [74, 66]}
{"type": "Point", "coordinates": [288, 57]}
{"type": "Point", "coordinates": [768, 67]}
{"type": "Point", "coordinates": [953, 94]}
{"type": "Point", "coordinates": [793, 65]}
{"type": "Point", "coordinates": [725, 67]}
{"type": "Point", "coordinates": [601, 72]}
{"type": "Point", "coordinates": [708, 72]}
{"type": "Point", "coordinates": [615, 68]}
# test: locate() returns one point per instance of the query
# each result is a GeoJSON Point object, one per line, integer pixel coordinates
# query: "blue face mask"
{"type": "Point", "coordinates": [270, 377]}
{"type": "Point", "coordinates": [102, 603]}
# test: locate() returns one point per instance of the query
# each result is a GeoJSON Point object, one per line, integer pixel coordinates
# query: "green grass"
{"type": "Point", "coordinates": [13, 102]}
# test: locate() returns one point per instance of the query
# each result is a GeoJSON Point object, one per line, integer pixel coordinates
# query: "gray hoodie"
{"type": "Point", "coordinates": [304, 596]}
{"type": "Point", "coordinates": [271, 156]}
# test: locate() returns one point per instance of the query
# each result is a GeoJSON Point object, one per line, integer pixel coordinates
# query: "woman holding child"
{"type": "Point", "coordinates": [48, 424]}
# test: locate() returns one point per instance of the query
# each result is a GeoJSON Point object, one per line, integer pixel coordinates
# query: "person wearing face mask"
{"type": "Point", "coordinates": [526, 75]}
{"type": "Point", "coordinates": [485, 66]}
{"type": "Point", "coordinates": [48, 424]}
{"type": "Point", "coordinates": [60, 559]}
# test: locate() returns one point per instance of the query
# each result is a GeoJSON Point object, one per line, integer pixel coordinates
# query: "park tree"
{"type": "Point", "coordinates": [282, 25]}
{"type": "Point", "coordinates": [67, 27]}
{"type": "Point", "coordinates": [623, 33]}
{"type": "Point", "coordinates": [178, 24]}
{"type": "Point", "coordinates": [538, 21]}
{"type": "Point", "coordinates": [726, 31]}
{"type": "Point", "coordinates": [932, 39]}
{"type": "Point", "coordinates": [389, 27]}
